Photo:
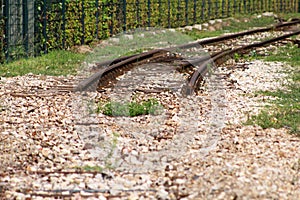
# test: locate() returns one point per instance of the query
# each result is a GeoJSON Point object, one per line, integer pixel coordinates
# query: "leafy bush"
{"type": "Point", "coordinates": [61, 24]}
{"type": "Point", "coordinates": [88, 20]}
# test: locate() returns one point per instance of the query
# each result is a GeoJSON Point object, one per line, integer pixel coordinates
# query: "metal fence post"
{"type": "Point", "coordinates": [217, 9]}
{"type": "Point", "coordinates": [255, 5]}
{"type": "Point", "coordinates": [203, 10]}
{"type": "Point", "coordinates": [82, 22]}
{"type": "Point", "coordinates": [25, 26]}
{"type": "Point", "coordinates": [195, 12]}
{"type": "Point", "coordinates": [137, 3]}
{"type": "Point", "coordinates": [178, 12]}
{"type": "Point", "coordinates": [45, 26]}
{"type": "Point", "coordinates": [63, 24]}
{"type": "Point", "coordinates": [36, 34]}
{"type": "Point", "coordinates": [186, 12]}
{"type": "Point", "coordinates": [209, 8]}
{"type": "Point", "coordinates": [223, 8]}
{"type": "Point", "coordinates": [249, 7]}
{"type": "Point", "coordinates": [124, 15]}
{"type": "Point", "coordinates": [149, 13]}
{"type": "Point", "coordinates": [159, 13]}
{"type": "Point", "coordinates": [228, 9]}
{"type": "Point", "coordinates": [234, 7]}
{"type": "Point", "coordinates": [97, 19]}
{"type": "Point", "coordinates": [111, 13]}
{"type": "Point", "coordinates": [6, 38]}
{"type": "Point", "coordinates": [169, 13]}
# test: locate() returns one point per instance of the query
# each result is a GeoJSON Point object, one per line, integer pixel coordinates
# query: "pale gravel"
{"type": "Point", "coordinates": [248, 162]}
{"type": "Point", "coordinates": [248, 79]}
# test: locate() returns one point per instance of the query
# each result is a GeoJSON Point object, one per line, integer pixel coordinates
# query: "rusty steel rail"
{"type": "Point", "coordinates": [240, 34]}
{"type": "Point", "coordinates": [123, 62]}
{"type": "Point", "coordinates": [209, 41]}
{"type": "Point", "coordinates": [222, 57]}
{"type": "Point", "coordinates": [84, 85]}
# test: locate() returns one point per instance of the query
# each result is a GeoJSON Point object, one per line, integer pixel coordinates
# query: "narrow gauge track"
{"type": "Point", "coordinates": [121, 65]}
{"type": "Point", "coordinates": [222, 57]}
{"type": "Point", "coordinates": [210, 40]}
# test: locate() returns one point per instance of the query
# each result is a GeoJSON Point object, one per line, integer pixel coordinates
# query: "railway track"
{"type": "Point", "coordinates": [117, 67]}
{"type": "Point", "coordinates": [125, 77]}
{"type": "Point", "coordinates": [211, 40]}
{"type": "Point", "coordinates": [165, 75]}
{"type": "Point", "coordinates": [222, 57]}
{"type": "Point", "coordinates": [108, 71]}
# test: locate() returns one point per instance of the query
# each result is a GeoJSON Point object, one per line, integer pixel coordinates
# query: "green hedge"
{"type": "Point", "coordinates": [83, 26]}
{"type": "Point", "coordinates": [61, 24]}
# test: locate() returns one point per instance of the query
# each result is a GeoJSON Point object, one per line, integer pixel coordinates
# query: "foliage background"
{"type": "Point", "coordinates": [61, 24]}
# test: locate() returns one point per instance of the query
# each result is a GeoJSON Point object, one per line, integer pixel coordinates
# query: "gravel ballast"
{"type": "Point", "coordinates": [54, 145]}
{"type": "Point", "coordinates": [39, 135]}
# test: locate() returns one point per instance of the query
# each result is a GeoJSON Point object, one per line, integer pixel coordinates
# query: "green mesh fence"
{"type": "Point", "coordinates": [30, 28]}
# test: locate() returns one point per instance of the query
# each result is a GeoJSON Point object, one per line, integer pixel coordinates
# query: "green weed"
{"type": "Point", "coordinates": [131, 109]}
{"type": "Point", "coordinates": [92, 168]}
{"type": "Point", "coordinates": [237, 57]}
{"type": "Point", "coordinates": [285, 109]}
{"type": "Point", "coordinates": [288, 53]}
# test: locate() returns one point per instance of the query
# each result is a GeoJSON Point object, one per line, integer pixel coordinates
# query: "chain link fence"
{"type": "Point", "coordinates": [31, 28]}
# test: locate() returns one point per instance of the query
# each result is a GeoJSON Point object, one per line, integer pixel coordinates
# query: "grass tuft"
{"type": "Point", "coordinates": [131, 109]}
{"type": "Point", "coordinates": [89, 168]}
{"type": "Point", "coordinates": [285, 109]}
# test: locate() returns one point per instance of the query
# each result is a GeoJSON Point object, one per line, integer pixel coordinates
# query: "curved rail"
{"type": "Point", "coordinates": [84, 85]}
{"type": "Point", "coordinates": [240, 34]}
{"type": "Point", "coordinates": [210, 40]}
{"type": "Point", "coordinates": [222, 58]}
{"type": "Point", "coordinates": [123, 62]}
